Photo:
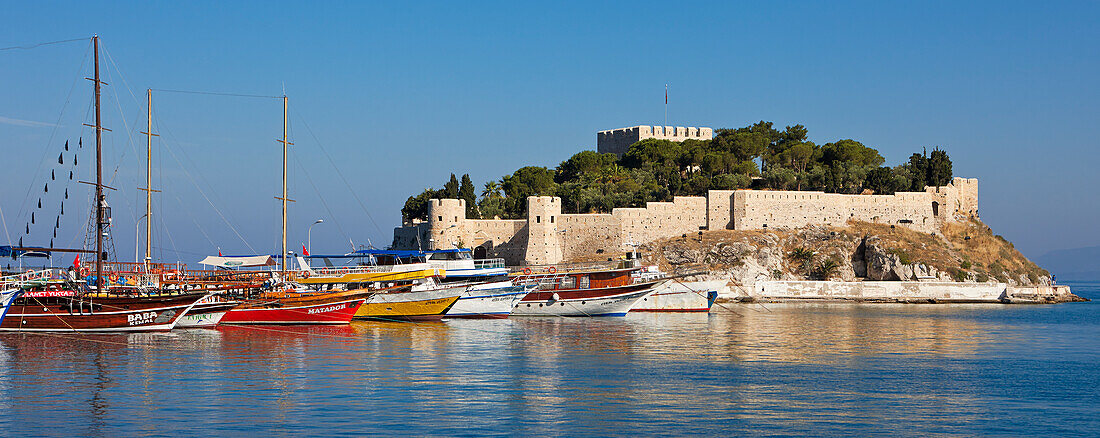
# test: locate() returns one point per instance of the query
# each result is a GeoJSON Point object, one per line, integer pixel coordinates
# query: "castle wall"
{"type": "Point", "coordinates": [719, 209]}
{"type": "Point", "coordinates": [588, 234]}
{"type": "Point", "coordinates": [547, 236]}
{"type": "Point", "coordinates": [758, 209]}
{"type": "Point", "coordinates": [659, 220]}
{"type": "Point", "coordinates": [617, 141]}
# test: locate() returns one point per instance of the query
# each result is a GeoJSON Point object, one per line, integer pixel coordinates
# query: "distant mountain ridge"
{"type": "Point", "coordinates": [1073, 263]}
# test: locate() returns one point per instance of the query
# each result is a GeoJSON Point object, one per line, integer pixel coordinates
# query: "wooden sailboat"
{"type": "Point", "coordinates": [289, 303]}
{"type": "Point", "coordinates": [62, 301]}
{"type": "Point", "coordinates": [609, 292]}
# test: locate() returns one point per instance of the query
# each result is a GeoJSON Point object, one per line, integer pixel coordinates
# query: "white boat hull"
{"type": "Point", "coordinates": [613, 305]}
{"type": "Point", "coordinates": [676, 296]}
{"type": "Point", "coordinates": [200, 320]}
{"type": "Point", "coordinates": [487, 302]}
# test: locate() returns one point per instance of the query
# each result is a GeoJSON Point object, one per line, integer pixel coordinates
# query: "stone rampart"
{"type": "Point", "coordinates": [617, 141]}
{"type": "Point", "coordinates": [548, 236]}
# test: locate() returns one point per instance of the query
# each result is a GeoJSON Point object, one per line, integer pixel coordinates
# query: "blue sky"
{"type": "Point", "coordinates": [399, 96]}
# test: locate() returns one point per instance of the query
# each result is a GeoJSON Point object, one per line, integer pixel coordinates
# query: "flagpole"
{"type": "Point", "coordinates": [666, 105]}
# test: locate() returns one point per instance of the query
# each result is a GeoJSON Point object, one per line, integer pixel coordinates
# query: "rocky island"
{"type": "Point", "coordinates": [771, 213]}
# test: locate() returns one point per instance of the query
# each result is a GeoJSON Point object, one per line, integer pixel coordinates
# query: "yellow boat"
{"type": "Point", "coordinates": [365, 275]}
{"type": "Point", "coordinates": [410, 305]}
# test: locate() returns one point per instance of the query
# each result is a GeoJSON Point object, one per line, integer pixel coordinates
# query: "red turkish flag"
{"type": "Point", "coordinates": [304, 250]}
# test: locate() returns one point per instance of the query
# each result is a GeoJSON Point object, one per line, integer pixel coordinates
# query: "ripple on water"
{"type": "Point", "coordinates": [798, 368]}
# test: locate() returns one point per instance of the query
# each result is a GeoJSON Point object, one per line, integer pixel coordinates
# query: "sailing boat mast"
{"type": "Point", "coordinates": [149, 177]}
{"type": "Point", "coordinates": [98, 176]}
{"type": "Point", "coordinates": [282, 257]}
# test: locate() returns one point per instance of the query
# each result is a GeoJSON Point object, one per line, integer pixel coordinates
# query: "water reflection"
{"type": "Point", "coordinates": [776, 368]}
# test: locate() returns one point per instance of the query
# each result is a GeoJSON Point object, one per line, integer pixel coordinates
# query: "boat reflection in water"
{"type": "Point", "coordinates": [783, 368]}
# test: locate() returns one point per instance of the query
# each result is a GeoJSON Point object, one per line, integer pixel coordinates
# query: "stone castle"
{"type": "Point", "coordinates": [548, 236]}
{"type": "Point", "coordinates": [617, 141]}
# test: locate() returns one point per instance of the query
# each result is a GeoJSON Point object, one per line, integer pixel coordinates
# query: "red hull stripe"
{"type": "Point", "coordinates": [329, 313]}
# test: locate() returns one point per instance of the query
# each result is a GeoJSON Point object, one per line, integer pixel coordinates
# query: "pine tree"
{"type": "Point", "coordinates": [450, 189]}
{"type": "Point", "coordinates": [466, 192]}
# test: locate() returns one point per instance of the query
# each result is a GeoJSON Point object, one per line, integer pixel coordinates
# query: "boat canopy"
{"type": "Point", "coordinates": [10, 251]}
{"type": "Point", "coordinates": [239, 262]}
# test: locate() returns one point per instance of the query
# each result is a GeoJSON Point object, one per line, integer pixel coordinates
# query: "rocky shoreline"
{"type": "Point", "coordinates": [964, 262]}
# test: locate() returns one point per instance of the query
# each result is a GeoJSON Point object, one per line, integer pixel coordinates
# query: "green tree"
{"type": "Point", "coordinates": [850, 151]}
{"type": "Point", "coordinates": [466, 192]}
{"type": "Point", "coordinates": [450, 189]}
{"type": "Point", "coordinates": [918, 168]}
{"type": "Point", "coordinates": [583, 163]}
{"type": "Point", "coordinates": [881, 180]}
{"type": "Point", "coordinates": [491, 190]}
{"type": "Point", "coordinates": [524, 182]}
{"type": "Point", "coordinates": [416, 207]}
{"type": "Point", "coordinates": [939, 168]}
{"type": "Point", "coordinates": [652, 152]}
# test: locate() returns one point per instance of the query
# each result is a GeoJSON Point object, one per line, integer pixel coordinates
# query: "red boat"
{"type": "Point", "coordinates": [297, 308]}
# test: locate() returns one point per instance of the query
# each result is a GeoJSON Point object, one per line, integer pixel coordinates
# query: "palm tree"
{"type": "Point", "coordinates": [491, 190]}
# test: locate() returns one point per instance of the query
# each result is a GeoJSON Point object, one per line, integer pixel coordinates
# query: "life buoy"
{"type": "Point", "coordinates": [552, 270]}
{"type": "Point", "coordinates": [526, 271]}
{"type": "Point", "coordinates": [83, 271]}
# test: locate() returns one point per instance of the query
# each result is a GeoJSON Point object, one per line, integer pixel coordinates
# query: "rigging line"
{"type": "Point", "coordinates": [215, 93]}
{"type": "Point", "coordinates": [125, 125]}
{"type": "Point", "coordinates": [31, 46]}
{"type": "Point", "coordinates": [197, 225]}
{"type": "Point", "coordinates": [165, 146]}
{"type": "Point", "coordinates": [170, 136]}
{"type": "Point", "coordinates": [162, 248]}
{"type": "Point", "coordinates": [57, 124]}
{"type": "Point", "coordinates": [321, 198]}
{"type": "Point", "coordinates": [340, 174]}
{"type": "Point", "coordinates": [5, 222]}
{"type": "Point", "coordinates": [207, 198]}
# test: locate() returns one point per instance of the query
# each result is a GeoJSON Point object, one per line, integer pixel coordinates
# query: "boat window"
{"type": "Point", "coordinates": [568, 283]}
{"type": "Point", "coordinates": [465, 256]}
{"type": "Point", "coordinates": [438, 256]}
{"type": "Point", "coordinates": [584, 282]}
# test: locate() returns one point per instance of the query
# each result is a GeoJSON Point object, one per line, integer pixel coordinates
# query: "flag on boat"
{"type": "Point", "coordinates": [305, 251]}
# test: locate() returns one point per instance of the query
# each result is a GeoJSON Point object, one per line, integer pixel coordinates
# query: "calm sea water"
{"type": "Point", "coordinates": [779, 369]}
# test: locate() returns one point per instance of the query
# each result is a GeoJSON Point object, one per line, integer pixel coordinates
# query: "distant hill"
{"type": "Point", "coordinates": [1073, 264]}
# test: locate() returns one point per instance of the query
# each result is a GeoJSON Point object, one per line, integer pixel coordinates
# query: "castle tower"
{"type": "Point", "coordinates": [543, 240]}
{"type": "Point", "coordinates": [446, 223]}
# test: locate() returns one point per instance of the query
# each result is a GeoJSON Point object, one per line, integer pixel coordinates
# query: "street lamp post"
{"type": "Point", "coordinates": [309, 240]}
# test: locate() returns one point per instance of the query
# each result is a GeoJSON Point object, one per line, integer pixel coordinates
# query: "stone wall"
{"type": "Point", "coordinates": [617, 141]}
{"type": "Point", "coordinates": [758, 209]}
{"type": "Point", "coordinates": [547, 236]}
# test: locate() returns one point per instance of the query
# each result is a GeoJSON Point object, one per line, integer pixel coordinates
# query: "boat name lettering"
{"type": "Point", "coordinates": [141, 318]}
{"type": "Point", "coordinates": [326, 309]}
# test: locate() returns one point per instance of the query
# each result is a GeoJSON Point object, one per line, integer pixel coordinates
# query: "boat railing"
{"type": "Point", "coordinates": [489, 263]}
{"type": "Point", "coordinates": [367, 269]}
{"type": "Point", "coordinates": [559, 268]}
{"type": "Point", "coordinates": [39, 276]}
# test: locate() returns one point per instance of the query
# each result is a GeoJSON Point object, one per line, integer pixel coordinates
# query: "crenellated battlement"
{"type": "Point", "coordinates": [617, 141]}
{"type": "Point", "coordinates": [548, 236]}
